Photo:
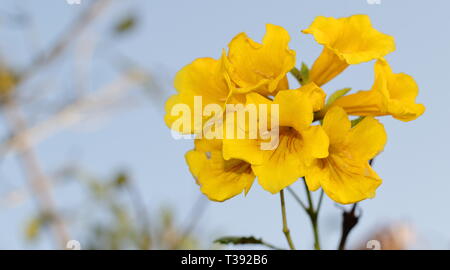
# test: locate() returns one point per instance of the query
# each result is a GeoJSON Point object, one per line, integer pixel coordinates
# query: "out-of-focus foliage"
{"type": "Point", "coordinates": [8, 80]}
{"type": "Point", "coordinates": [248, 240]}
{"type": "Point", "coordinates": [114, 216]}
{"type": "Point", "coordinates": [302, 74]}
{"type": "Point", "coordinates": [126, 24]}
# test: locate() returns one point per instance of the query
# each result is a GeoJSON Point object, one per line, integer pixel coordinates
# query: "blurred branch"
{"type": "Point", "coordinates": [72, 113]}
{"type": "Point", "coordinates": [194, 216]}
{"type": "Point", "coordinates": [141, 212]}
{"type": "Point", "coordinates": [78, 26]}
{"type": "Point", "coordinates": [285, 225]}
{"type": "Point", "coordinates": [25, 134]}
{"type": "Point", "coordinates": [39, 182]}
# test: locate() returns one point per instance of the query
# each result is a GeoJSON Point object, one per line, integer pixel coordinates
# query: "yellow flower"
{"type": "Point", "coordinates": [253, 66]}
{"type": "Point", "coordinates": [345, 175]}
{"type": "Point", "coordinates": [204, 78]}
{"type": "Point", "coordinates": [219, 179]}
{"type": "Point", "coordinates": [391, 94]}
{"type": "Point", "coordinates": [298, 145]}
{"type": "Point", "coordinates": [249, 66]}
{"type": "Point", "coordinates": [347, 41]}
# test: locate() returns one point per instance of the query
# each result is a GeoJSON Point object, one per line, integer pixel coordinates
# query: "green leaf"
{"type": "Point", "coordinates": [339, 93]}
{"type": "Point", "coordinates": [239, 240]}
{"type": "Point", "coordinates": [302, 75]}
{"type": "Point", "coordinates": [305, 73]}
{"type": "Point", "coordinates": [121, 179]}
{"type": "Point", "coordinates": [33, 228]}
{"type": "Point", "coordinates": [357, 120]}
{"type": "Point", "coordinates": [125, 25]}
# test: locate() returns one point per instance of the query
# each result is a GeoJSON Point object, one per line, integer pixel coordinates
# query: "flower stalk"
{"type": "Point", "coordinates": [286, 230]}
{"type": "Point", "coordinates": [349, 221]}
{"type": "Point", "coordinates": [313, 216]}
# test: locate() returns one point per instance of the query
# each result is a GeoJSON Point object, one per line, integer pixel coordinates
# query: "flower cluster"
{"type": "Point", "coordinates": [317, 140]}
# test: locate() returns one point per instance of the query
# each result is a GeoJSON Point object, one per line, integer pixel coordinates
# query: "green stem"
{"type": "Point", "coordinates": [316, 232]}
{"type": "Point", "coordinates": [297, 198]}
{"type": "Point", "coordinates": [313, 216]}
{"type": "Point", "coordinates": [320, 201]}
{"type": "Point", "coordinates": [308, 194]}
{"type": "Point", "coordinates": [285, 226]}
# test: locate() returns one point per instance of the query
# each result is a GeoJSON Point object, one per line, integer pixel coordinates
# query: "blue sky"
{"type": "Point", "coordinates": [172, 34]}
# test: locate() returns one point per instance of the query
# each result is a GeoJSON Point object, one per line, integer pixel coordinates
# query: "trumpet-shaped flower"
{"type": "Point", "coordinates": [298, 145]}
{"type": "Point", "coordinates": [347, 41]}
{"type": "Point", "coordinates": [391, 94]}
{"type": "Point", "coordinates": [345, 174]}
{"type": "Point", "coordinates": [219, 179]}
{"type": "Point", "coordinates": [202, 78]}
{"type": "Point", "coordinates": [263, 67]}
{"type": "Point", "coordinates": [249, 66]}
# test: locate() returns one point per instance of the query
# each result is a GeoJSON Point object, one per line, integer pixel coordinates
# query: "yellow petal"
{"type": "Point", "coordinates": [337, 125]}
{"type": "Point", "coordinates": [220, 179]}
{"type": "Point", "coordinates": [402, 92]}
{"type": "Point", "coordinates": [196, 161]}
{"type": "Point", "coordinates": [254, 66]}
{"type": "Point", "coordinates": [327, 66]}
{"type": "Point", "coordinates": [284, 165]}
{"type": "Point", "coordinates": [202, 78]}
{"type": "Point", "coordinates": [363, 103]}
{"type": "Point", "coordinates": [315, 142]}
{"type": "Point", "coordinates": [366, 139]}
{"type": "Point", "coordinates": [244, 149]}
{"type": "Point", "coordinates": [256, 99]}
{"type": "Point", "coordinates": [296, 109]}
{"type": "Point", "coordinates": [346, 41]}
{"type": "Point", "coordinates": [317, 172]}
{"type": "Point", "coordinates": [391, 94]}
{"type": "Point", "coordinates": [315, 94]}
{"type": "Point", "coordinates": [205, 145]}
{"type": "Point", "coordinates": [349, 186]}
{"type": "Point", "coordinates": [405, 112]}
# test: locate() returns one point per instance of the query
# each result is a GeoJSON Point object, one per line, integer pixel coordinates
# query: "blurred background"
{"type": "Point", "coordinates": [85, 154]}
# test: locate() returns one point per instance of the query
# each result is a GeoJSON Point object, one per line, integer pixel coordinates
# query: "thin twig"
{"type": "Point", "coordinates": [78, 26]}
{"type": "Point", "coordinates": [39, 182]}
{"type": "Point", "coordinates": [141, 211]}
{"type": "Point", "coordinates": [350, 219]}
{"type": "Point", "coordinates": [308, 195]}
{"type": "Point", "coordinates": [69, 115]}
{"type": "Point", "coordinates": [297, 198]}
{"type": "Point", "coordinates": [319, 204]}
{"type": "Point", "coordinates": [194, 217]}
{"type": "Point", "coordinates": [313, 216]}
{"type": "Point", "coordinates": [286, 231]}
